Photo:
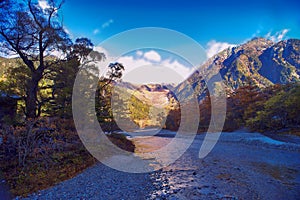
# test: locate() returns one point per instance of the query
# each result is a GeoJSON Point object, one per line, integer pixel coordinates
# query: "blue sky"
{"type": "Point", "coordinates": [226, 21]}
{"type": "Point", "coordinates": [214, 24]}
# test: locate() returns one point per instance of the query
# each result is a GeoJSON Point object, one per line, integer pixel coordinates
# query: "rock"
{"type": "Point", "coordinates": [164, 196]}
{"type": "Point", "coordinates": [237, 168]}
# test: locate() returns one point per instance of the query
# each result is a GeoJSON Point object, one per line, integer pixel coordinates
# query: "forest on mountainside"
{"type": "Point", "coordinates": [272, 109]}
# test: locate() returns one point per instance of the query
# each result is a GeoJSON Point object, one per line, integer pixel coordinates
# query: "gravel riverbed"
{"type": "Point", "coordinates": [241, 166]}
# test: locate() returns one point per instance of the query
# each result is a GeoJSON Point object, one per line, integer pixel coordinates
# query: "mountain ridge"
{"type": "Point", "coordinates": [259, 62]}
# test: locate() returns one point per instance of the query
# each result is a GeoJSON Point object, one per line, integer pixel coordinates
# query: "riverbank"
{"type": "Point", "coordinates": [241, 166]}
{"type": "Point", "coordinates": [59, 160]}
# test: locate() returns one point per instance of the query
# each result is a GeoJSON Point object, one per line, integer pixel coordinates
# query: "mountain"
{"type": "Point", "coordinates": [281, 62]}
{"type": "Point", "coordinates": [6, 63]}
{"type": "Point", "coordinates": [146, 105]}
{"type": "Point", "coordinates": [259, 62]}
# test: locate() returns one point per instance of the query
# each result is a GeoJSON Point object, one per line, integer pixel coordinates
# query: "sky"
{"type": "Point", "coordinates": [230, 21]}
{"type": "Point", "coordinates": [214, 24]}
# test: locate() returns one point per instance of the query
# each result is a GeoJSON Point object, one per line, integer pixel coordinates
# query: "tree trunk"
{"type": "Point", "coordinates": [31, 95]}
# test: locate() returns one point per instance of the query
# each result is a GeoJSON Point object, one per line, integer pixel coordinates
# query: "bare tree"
{"type": "Point", "coordinates": [34, 33]}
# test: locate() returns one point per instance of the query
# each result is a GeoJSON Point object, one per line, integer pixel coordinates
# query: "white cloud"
{"type": "Point", "coordinates": [103, 26]}
{"type": "Point", "coordinates": [150, 68]}
{"type": "Point", "coordinates": [67, 30]}
{"type": "Point", "coordinates": [102, 50]}
{"type": "Point", "coordinates": [268, 35]}
{"type": "Point", "coordinates": [139, 53]}
{"type": "Point", "coordinates": [96, 31]}
{"type": "Point", "coordinates": [131, 63]}
{"type": "Point", "coordinates": [152, 56]}
{"type": "Point", "coordinates": [257, 32]}
{"type": "Point", "coordinates": [282, 34]}
{"type": "Point", "coordinates": [107, 23]}
{"type": "Point", "coordinates": [142, 70]}
{"type": "Point", "coordinates": [213, 47]}
{"type": "Point", "coordinates": [181, 69]}
{"type": "Point", "coordinates": [7, 53]}
{"type": "Point", "coordinates": [43, 4]}
{"type": "Point", "coordinates": [57, 54]}
{"type": "Point", "coordinates": [278, 36]}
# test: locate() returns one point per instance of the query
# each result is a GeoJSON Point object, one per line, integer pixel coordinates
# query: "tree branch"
{"type": "Point", "coordinates": [28, 62]}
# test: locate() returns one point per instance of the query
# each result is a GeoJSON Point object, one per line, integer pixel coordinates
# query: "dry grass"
{"type": "Point", "coordinates": [65, 158]}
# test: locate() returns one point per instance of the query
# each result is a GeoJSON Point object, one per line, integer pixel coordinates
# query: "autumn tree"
{"type": "Point", "coordinates": [34, 34]}
{"type": "Point", "coordinates": [241, 104]}
{"type": "Point", "coordinates": [280, 111]}
{"type": "Point", "coordinates": [205, 113]}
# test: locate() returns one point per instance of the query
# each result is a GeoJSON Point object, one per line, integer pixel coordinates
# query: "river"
{"type": "Point", "coordinates": [242, 165]}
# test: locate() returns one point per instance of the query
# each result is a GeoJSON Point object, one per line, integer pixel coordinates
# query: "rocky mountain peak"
{"type": "Point", "coordinates": [259, 62]}
{"type": "Point", "coordinates": [255, 46]}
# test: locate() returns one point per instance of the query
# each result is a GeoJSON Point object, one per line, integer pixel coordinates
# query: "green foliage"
{"type": "Point", "coordinates": [33, 33]}
{"type": "Point", "coordinates": [63, 81]}
{"type": "Point", "coordinates": [242, 103]}
{"type": "Point", "coordinates": [138, 109]}
{"type": "Point", "coordinates": [102, 103]}
{"type": "Point", "coordinates": [279, 112]}
{"type": "Point", "coordinates": [15, 77]}
{"type": "Point", "coordinates": [276, 107]}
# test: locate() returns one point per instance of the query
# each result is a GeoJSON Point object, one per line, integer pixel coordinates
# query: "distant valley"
{"type": "Point", "coordinates": [260, 63]}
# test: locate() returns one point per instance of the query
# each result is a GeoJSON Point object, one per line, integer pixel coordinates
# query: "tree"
{"type": "Point", "coordinates": [34, 34]}
{"type": "Point", "coordinates": [82, 56]}
{"type": "Point", "coordinates": [104, 94]}
{"type": "Point", "coordinates": [241, 105]}
{"type": "Point", "coordinates": [205, 113]}
{"type": "Point", "coordinates": [64, 77]}
{"type": "Point", "coordinates": [279, 111]}
{"type": "Point", "coordinates": [82, 48]}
